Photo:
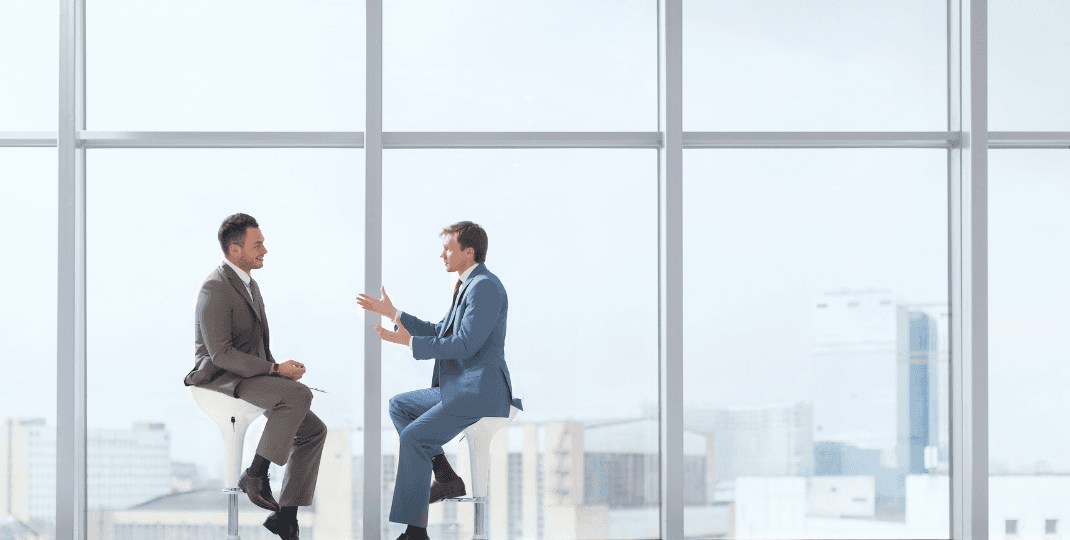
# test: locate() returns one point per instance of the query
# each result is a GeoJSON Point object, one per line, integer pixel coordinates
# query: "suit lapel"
{"type": "Point", "coordinates": [236, 282]}
{"type": "Point", "coordinates": [454, 314]}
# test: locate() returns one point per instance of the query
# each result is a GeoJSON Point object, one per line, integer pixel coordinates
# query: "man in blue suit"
{"type": "Point", "coordinates": [470, 381]}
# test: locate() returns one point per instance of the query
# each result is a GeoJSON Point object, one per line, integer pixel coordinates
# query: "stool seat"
{"type": "Point", "coordinates": [233, 417]}
{"type": "Point", "coordinates": [479, 436]}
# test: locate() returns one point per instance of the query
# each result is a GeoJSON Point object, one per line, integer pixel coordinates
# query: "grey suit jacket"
{"type": "Point", "coordinates": [231, 335]}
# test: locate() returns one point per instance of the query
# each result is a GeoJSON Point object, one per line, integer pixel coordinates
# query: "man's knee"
{"type": "Point", "coordinates": [298, 397]}
{"type": "Point", "coordinates": [394, 407]}
{"type": "Point", "coordinates": [302, 395]}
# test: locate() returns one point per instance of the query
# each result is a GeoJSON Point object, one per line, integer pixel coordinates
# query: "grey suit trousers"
{"type": "Point", "coordinates": [293, 433]}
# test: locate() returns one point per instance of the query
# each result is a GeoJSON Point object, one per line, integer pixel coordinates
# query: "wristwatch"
{"type": "Point", "coordinates": [274, 369]}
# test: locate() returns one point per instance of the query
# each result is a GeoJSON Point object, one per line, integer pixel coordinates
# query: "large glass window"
{"type": "Point", "coordinates": [1028, 310]}
{"type": "Point", "coordinates": [815, 341]}
{"type": "Point", "coordinates": [153, 216]}
{"type": "Point", "coordinates": [29, 44]}
{"type": "Point", "coordinates": [1029, 62]}
{"type": "Point", "coordinates": [573, 238]}
{"type": "Point", "coordinates": [28, 342]}
{"type": "Point", "coordinates": [225, 66]}
{"type": "Point", "coordinates": [842, 65]}
{"type": "Point", "coordinates": [520, 66]}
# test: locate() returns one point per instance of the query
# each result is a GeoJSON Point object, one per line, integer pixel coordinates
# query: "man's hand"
{"type": "Point", "coordinates": [382, 306]}
{"type": "Point", "coordinates": [401, 337]}
{"type": "Point", "coordinates": [292, 369]}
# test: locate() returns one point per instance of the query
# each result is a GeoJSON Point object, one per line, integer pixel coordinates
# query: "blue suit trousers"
{"type": "Point", "coordinates": [424, 426]}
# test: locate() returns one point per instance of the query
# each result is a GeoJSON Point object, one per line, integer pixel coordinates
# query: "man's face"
{"type": "Point", "coordinates": [455, 259]}
{"type": "Point", "coordinates": [251, 253]}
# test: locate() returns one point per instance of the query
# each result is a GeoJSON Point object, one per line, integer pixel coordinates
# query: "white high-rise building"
{"type": "Point", "coordinates": [28, 469]}
{"type": "Point", "coordinates": [125, 467]}
{"type": "Point", "coordinates": [853, 369]}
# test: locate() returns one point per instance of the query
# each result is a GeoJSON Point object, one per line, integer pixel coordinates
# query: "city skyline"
{"type": "Point", "coordinates": [574, 232]}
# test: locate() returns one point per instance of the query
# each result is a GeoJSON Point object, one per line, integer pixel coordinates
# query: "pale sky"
{"type": "Point", "coordinates": [572, 232]}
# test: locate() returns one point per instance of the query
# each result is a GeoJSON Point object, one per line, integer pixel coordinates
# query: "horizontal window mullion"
{"type": "Point", "coordinates": [415, 140]}
{"type": "Point", "coordinates": [490, 139]}
{"type": "Point", "coordinates": [28, 139]}
{"type": "Point", "coordinates": [1028, 139]}
{"type": "Point", "coordinates": [818, 139]}
{"type": "Point", "coordinates": [236, 139]}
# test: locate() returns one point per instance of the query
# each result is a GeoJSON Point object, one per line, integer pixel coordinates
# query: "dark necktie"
{"type": "Point", "coordinates": [257, 299]}
{"type": "Point", "coordinates": [453, 307]}
{"type": "Point", "coordinates": [456, 288]}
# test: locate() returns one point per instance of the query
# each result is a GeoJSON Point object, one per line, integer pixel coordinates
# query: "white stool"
{"type": "Point", "coordinates": [233, 417]}
{"type": "Point", "coordinates": [479, 436]}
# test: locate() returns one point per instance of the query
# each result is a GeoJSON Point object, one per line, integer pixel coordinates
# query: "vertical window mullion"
{"type": "Point", "coordinates": [670, 267]}
{"type": "Point", "coordinates": [70, 286]}
{"type": "Point", "coordinates": [968, 280]}
{"type": "Point", "coordinates": [373, 266]}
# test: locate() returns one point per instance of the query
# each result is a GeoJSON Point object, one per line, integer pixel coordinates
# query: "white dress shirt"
{"type": "Point", "coordinates": [245, 277]}
{"type": "Point", "coordinates": [463, 277]}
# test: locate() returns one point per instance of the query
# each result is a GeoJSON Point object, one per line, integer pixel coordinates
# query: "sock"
{"type": "Point", "coordinates": [259, 466]}
{"type": "Point", "coordinates": [443, 472]}
{"type": "Point", "coordinates": [288, 513]}
{"type": "Point", "coordinates": [415, 532]}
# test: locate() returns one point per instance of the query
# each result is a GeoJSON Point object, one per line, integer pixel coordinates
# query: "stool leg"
{"type": "Point", "coordinates": [232, 518]}
{"type": "Point", "coordinates": [480, 526]}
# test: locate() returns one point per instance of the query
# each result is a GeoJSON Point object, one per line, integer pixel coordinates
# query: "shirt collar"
{"type": "Point", "coordinates": [464, 275]}
{"type": "Point", "coordinates": [245, 277]}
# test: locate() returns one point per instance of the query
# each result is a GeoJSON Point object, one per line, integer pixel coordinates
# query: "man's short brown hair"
{"type": "Point", "coordinates": [470, 235]}
{"type": "Point", "coordinates": [232, 231]}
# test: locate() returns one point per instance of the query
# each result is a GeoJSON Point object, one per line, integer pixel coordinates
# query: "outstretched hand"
{"type": "Point", "coordinates": [379, 306]}
{"type": "Point", "coordinates": [401, 336]}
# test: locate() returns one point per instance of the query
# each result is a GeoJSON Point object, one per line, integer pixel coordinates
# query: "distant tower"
{"type": "Point", "coordinates": [917, 390]}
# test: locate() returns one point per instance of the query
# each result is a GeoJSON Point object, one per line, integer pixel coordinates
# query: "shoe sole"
{"type": "Point", "coordinates": [449, 496]}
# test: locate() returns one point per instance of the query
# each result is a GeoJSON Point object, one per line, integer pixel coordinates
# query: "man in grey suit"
{"type": "Point", "coordinates": [234, 357]}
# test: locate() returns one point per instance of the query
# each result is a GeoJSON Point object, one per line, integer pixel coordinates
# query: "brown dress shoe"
{"type": "Point", "coordinates": [447, 490]}
{"type": "Point", "coordinates": [259, 491]}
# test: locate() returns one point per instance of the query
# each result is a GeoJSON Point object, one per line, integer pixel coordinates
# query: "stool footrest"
{"type": "Point", "coordinates": [463, 499]}
{"type": "Point", "coordinates": [232, 490]}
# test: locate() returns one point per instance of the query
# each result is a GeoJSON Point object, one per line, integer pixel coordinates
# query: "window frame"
{"type": "Point", "coordinates": [967, 141]}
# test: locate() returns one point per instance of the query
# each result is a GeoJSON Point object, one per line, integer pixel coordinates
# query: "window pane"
{"type": "Point", "coordinates": [578, 258]}
{"type": "Point", "coordinates": [1028, 310]}
{"type": "Point", "coordinates": [216, 66]}
{"type": "Point", "coordinates": [28, 230]}
{"type": "Point", "coordinates": [1029, 57]}
{"type": "Point", "coordinates": [520, 66]}
{"type": "Point", "coordinates": [29, 52]}
{"type": "Point", "coordinates": [777, 65]}
{"type": "Point", "coordinates": [153, 216]}
{"type": "Point", "coordinates": [815, 352]}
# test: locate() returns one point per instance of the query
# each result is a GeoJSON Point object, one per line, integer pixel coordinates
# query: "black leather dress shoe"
{"type": "Point", "coordinates": [447, 490]}
{"type": "Point", "coordinates": [259, 490]}
{"type": "Point", "coordinates": [407, 537]}
{"type": "Point", "coordinates": [287, 530]}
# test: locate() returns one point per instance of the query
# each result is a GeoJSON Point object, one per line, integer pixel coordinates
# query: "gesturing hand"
{"type": "Point", "coordinates": [401, 337]}
{"type": "Point", "coordinates": [382, 306]}
{"type": "Point", "coordinates": [292, 369]}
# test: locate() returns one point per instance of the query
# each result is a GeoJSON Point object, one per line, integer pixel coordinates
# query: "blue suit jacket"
{"type": "Point", "coordinates": [468, 346]}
